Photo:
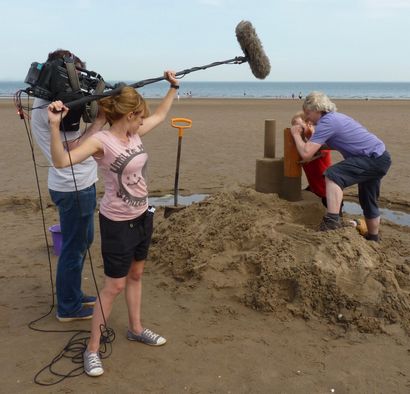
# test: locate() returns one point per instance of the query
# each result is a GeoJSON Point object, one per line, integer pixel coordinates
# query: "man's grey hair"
{"type": "Point", "coordinates": [318, 101]}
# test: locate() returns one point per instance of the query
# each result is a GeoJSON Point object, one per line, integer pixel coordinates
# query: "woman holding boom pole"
{"type": "Point", "coordinates": [126, 221]}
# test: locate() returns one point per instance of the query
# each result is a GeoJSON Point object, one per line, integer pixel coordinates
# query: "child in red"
{"type": "Point", "coordinates": [315, 167]}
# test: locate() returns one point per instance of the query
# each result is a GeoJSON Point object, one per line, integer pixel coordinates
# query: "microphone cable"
{"type": "Point", "coordinates": [77, 344]}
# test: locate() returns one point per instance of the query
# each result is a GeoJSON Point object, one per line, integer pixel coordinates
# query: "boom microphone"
{"type": "Point", "coordinates": [249, 42]}
{"type": "Point", "coordinates": [253, 50]}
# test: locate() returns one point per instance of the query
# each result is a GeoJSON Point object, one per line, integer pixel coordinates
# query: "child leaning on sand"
{"type": "Point", "coordinates": [315, 167]}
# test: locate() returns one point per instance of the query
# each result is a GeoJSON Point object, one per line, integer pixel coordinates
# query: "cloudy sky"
{"type": "Point", "coordinates": [306, 40]}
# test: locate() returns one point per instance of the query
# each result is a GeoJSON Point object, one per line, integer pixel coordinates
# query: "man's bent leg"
{"type": "Point", "coordinates": [334, 196]}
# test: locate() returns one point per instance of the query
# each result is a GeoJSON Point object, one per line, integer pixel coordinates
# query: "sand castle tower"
{"type": "Point", "coordinates": [279, 175]}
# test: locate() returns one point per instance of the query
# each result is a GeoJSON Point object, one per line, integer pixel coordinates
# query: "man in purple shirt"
{"type": "Point", "coordinates": [365, 162]}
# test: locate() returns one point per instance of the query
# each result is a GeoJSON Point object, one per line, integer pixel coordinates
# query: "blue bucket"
{"type": "Point", "coordinates": [55, 231]}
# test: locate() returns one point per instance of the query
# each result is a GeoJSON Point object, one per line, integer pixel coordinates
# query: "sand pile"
{"type": "Point", "coordinates": [267, 254]}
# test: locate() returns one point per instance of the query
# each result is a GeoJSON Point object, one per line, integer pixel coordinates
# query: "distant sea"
{"type": "Point", "coordinates": [263, 90]}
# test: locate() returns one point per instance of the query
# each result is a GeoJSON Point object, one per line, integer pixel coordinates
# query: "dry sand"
{"type": "Point", "coordinates": [251, 298]}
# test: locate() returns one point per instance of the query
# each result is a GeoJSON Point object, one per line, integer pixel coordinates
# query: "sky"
{"type": "Point", "coordinates": [132, 40]}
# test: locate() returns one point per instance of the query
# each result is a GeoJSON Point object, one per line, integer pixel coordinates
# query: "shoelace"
{"type": "Point", "coordinates": [147, 332]}
{"type": "Point", "coordinates": [94, 361]}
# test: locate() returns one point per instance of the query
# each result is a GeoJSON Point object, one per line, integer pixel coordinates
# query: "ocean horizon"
{"type": "Point", "coordinates": [260, 89]}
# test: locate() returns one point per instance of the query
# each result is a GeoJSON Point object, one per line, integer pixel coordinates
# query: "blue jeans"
{"type": "Point", "coordinates": [76, 211]}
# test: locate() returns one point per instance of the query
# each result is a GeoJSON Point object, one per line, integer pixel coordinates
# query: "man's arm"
{"type": "Point", "coordinates": [306, 149]}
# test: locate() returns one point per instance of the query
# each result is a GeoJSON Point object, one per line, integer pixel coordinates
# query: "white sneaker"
{"type": "Point", "coordinates": [92, 364]}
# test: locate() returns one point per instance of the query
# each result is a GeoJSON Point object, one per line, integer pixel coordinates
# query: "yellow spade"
{"type": "Point", "coordinates": [180, 124]}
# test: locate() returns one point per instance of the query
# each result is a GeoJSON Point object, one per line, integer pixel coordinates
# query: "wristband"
{"type": "Point", "coordinates": [172, 86]}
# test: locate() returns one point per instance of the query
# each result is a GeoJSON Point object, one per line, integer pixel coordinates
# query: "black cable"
{"type": "Point", "coordinates": [43, 223]}
{"type": "Point", "coordinates": [74, 351]}
{"type": "Point", "coordinates": [77, 344]}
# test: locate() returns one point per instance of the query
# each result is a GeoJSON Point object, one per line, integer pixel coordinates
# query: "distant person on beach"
{"type": "Point", "coordinates": [300, 96]}
{"type": "Point", "coordinates": [317, 165]}
{"type": "Point", "coordinates": [126, 220]}
{"type": "Point", "coordinates": [76, 202]}
{"type": "Point", "coordinates": [366, 160]}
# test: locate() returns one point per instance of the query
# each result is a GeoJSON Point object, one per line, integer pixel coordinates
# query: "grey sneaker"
{"type": "Point", "coordinates": [328, 223]}
{"type": "Point", "coordinates": [148, 337]}
{"type": "Point", "coordinates": [92, 364]}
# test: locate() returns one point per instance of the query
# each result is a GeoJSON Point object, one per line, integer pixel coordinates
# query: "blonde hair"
{"type": "Point", "coordinates": [128, 100]}
{"type": "Point", "coordinates": [308, 128]}
{"type": "Point", "coordinates": [318, 101]}
{"type": "Point", "coordinates": [299, 114]}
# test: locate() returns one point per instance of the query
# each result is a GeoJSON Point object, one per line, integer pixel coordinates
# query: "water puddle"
{"type": "Point", "coordinates": [168, 200]}
{"type": "Point", "coordinates": [397, 217]}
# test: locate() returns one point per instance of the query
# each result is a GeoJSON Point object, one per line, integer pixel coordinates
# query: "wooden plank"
{"type": "Point", "coordinates": [291, 166]}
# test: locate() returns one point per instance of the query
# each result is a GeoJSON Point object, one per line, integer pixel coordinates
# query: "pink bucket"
{"type": "Point", "coordinates": [55, 231]}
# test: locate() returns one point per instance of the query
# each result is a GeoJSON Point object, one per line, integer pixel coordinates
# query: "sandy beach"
{"type": "Point", "coordinates": [251, 297]}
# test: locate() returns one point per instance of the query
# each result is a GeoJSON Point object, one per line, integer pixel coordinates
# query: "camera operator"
{"type": "Point", "coordinates": [73, 192]}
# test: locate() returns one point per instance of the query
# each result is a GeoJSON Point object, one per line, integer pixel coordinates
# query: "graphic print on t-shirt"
{"type": "Point", "coordinates": [130, 168]}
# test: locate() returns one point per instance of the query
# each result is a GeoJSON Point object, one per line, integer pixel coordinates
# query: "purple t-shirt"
{"type": "Point", "coordinates": [349, 137]}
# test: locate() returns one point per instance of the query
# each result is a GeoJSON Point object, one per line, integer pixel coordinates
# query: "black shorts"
{"type": "Point", "coordinates": [122, 242]}
{"type": "Point", "coordinates": [365, 171]}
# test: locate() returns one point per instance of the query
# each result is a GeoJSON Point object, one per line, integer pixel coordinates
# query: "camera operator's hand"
{"type": "Point", "coordinates": [96, 126]}
{"type": "Point", "coordinates": [56, 111]}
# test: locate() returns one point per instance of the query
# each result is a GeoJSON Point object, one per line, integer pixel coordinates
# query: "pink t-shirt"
{"type": "Point", "coordinates": [124, 169]}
